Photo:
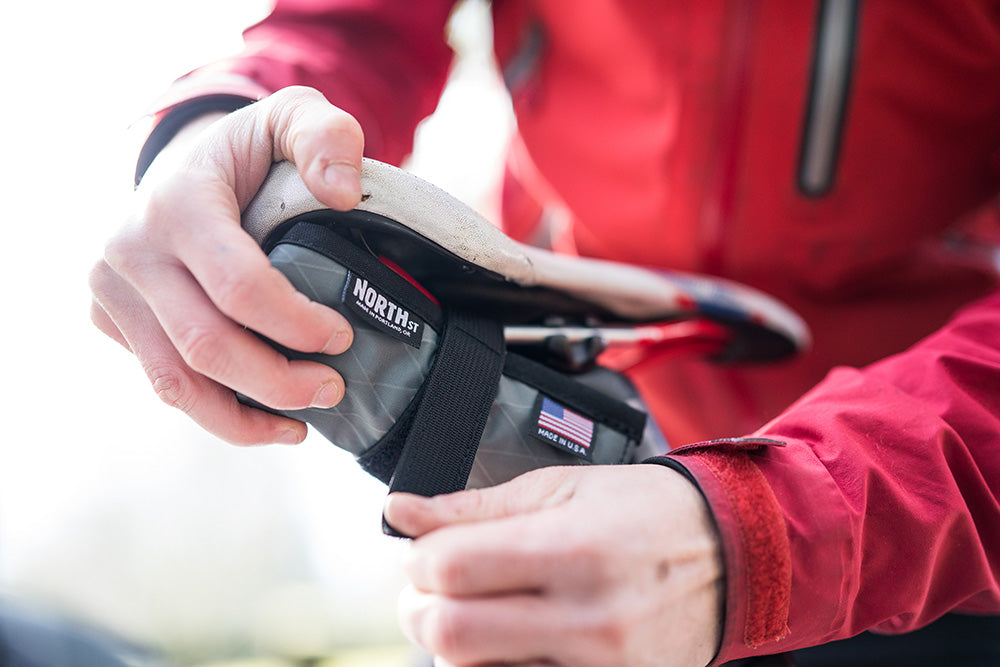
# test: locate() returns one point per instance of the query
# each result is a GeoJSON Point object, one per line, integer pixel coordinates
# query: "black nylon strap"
{"type": "Point", "coordinates": [589, 402]}
{"type": "Point", "coordinates": [460, 388]}
{"type": "Point", "coordinates": [328, 243]}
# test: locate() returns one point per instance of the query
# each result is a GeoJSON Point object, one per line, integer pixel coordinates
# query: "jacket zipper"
{"type": "Point", "coordinates": [833, 61]}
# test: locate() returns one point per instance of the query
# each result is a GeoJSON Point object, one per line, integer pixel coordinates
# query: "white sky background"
{"type": "Point", "coordinates": [113, 506]}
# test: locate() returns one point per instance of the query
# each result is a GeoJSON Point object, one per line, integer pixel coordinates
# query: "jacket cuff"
{"type": "Point", "coordinates": [754, 542]}
{"type": "Point", "coordinates": [786, 582]}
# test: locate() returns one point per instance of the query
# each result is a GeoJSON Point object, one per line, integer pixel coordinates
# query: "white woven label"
{"type": "Point", "coordinates": [381, 312]}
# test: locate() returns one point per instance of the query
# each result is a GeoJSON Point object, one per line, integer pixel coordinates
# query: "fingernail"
{"type": "Point", "coordinates": [391, 501]}
{"type": "Point", "coordinates": [338, 343]}
{"type": "Point", "coordinates": [342, 177]}
{"type": "Point", "coordinates": [289, 438]}
{"type": "Point", "coordinates": [328, 395]}
{"type": "Point", "coordinates": [409, 502]}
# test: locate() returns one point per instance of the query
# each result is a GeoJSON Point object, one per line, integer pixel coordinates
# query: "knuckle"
{"type": "Point", "coordinates": [585, 553]}
{"type": "Point", "coordinates": [295, 92]}
{"type": "Point", "coordinates": [341, 129]}
{"type": "Point", "coordinates": [203, 350]}
{"type": "Point", "coordinates": [234, 291]}
{"type": "Point", "coordinates": [285, 107]}
{"type": "Point", "coordinates": [470, 502]}
{"type": "Point", "coordinates": [157, 206]}
{"type": "Point", "coordinates": [100, 318]}
{"type": "Point", "coordinates": [171, 386]}
{"type": "Point", "coordinates": [98, 315]}
{"type": "Point", "coordinates": [302, 117]}
{"type": "Point", "coordinates": [148, 225]}
{"type": "Point", "coordinates": [447, 571]}
{"type": "Point", "coordinates": [315, 339]}
{"type": "Point", "coordinates": [591, 566]}
{"type": "Point", "coordinates": [281, 398]}
{"type": "Point", "coordinates": [121, 255]}
{"type": "Point", "coordinates": [159, 201]}
{"type": "Point", "coordinates": [444, 631]}
{"type": "Point", "coordinates": [100, 278]}
{"type": "Point", "coordinates": [609, 632]}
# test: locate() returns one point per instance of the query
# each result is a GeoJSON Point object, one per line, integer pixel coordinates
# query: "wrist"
{"type": "Point", "coordinates": [753, 541]}
{"type": "Point", "coordinates": [191, 97]}
{"type": "Point", "coordinates": [178, 124]}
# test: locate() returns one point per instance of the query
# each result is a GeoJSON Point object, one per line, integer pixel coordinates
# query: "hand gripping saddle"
{"type": "Point", "coordinates": [457, 376]}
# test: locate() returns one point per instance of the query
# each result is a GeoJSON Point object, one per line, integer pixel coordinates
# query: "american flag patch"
{"type": "Point", "coordinates": [564, 428]}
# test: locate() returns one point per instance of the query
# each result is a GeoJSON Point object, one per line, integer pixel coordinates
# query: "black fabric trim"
{"type": "Point", "coordinates": [675, 465]}
{"type": "Point", "coordinates": [180, 115]}
{"type": "Point", "coordinates": [441, 446]}
{"type": "Point", "coordinates": [818, 190]}
{"type": "Point", "coordinates": [460, 283]}
{"type": "Point", "coordinates": [589, 402]}
{"type": "Point", "coordinates": [335, 247]}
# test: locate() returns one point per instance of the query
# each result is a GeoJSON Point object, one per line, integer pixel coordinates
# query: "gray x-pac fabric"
{"type": "Point", "coordinates": [507, 449]}
{"type": "Point", "coordinates": [383, 375]}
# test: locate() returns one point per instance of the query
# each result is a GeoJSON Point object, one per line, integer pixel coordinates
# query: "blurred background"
{"type": "Point", "coordinates": [115, 511]}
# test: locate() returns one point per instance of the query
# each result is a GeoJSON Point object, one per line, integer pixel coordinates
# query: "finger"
{"type": "Point", "coordinates": [214, 346]}
{"type": "Point", "coordinates": [106, 325]}
{"type": "Point", "coordinates": [211, 405]}
{"type": "Point", "coordinates": [240, 281]}
{"type": "Point", "coordinates": [417, 515]}
{"type": "Point", "coordinates": [296, 124]}
{"type": "Point", "coordinates": [526, 553]}
{"type": "Point", "coordinates": [480, 631]}
{"type": "Point", "coordinates": [215, 407]}
{"type": "Point", "coordinates": [324, 142]}
{"type": "Point", "coordinates": [218, 348]}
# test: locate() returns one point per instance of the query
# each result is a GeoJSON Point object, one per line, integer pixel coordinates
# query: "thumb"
{"type": "Point", "coordinates": [325, 143]}
{"type": "Point", "coordinates": [297, 124]}
{"type": "Point", "coordinates": [415, 515]}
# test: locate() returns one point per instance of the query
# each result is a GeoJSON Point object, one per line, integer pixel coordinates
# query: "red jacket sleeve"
{"type": "Point", "coordinates": [872, 503]}
{"type": "Point", "coordinates": [383, 61]}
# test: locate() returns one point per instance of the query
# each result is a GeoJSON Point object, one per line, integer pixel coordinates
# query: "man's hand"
{"type": "Point", "coordinates": [184, 287]}
{"type": "Point", "coordinates": [576, 566]}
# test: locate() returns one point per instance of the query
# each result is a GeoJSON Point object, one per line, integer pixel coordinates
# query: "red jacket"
{"type": "Point", "coordinates": [819, 151]}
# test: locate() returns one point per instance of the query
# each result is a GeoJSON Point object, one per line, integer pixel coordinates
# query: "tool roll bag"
{"type": "Point", "coordinates": [435, 401]}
